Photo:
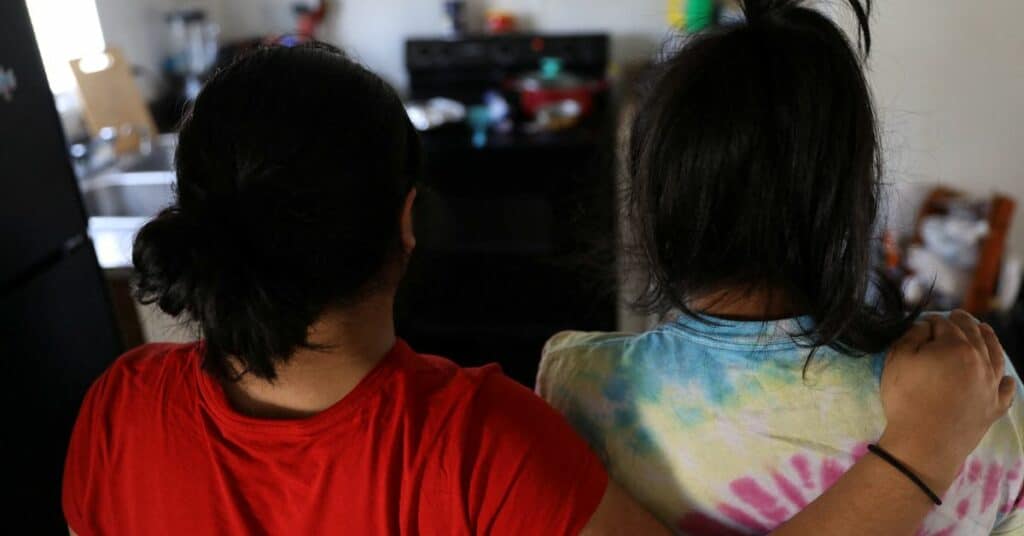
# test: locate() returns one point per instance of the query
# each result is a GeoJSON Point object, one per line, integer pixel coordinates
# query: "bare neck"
{"type": "Point", "coordinates": [747, 304]}
{"type": "Point", "coordinates": [353, 341]}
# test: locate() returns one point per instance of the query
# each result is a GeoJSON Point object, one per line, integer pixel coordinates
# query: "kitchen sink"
{"type": "Point", "coordinates": [128, 194]}
{"type": "Point", "coordinates": [159, 158]}
{"type": "Point", "coordinates": [119, 204]}
{"type": "Point", "coordinates": [120, 199]}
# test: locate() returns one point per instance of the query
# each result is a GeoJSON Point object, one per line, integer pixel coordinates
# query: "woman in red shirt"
{"type": "Point", "coordinates": [300, 412]}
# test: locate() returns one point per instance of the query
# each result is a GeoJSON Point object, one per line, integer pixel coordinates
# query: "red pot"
{"type": "Point", "coordinates": [551, 85]}
{"type": "Point", "coordinates": [532, 100]}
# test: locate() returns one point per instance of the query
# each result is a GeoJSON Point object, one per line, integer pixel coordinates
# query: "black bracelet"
{"type": "Point", "coordinates": [891, 460]}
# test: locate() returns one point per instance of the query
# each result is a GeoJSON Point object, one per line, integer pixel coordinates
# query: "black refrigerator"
{"type": "Point", "coordinates": [57, 330]}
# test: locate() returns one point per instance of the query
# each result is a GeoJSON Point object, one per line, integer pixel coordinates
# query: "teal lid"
{"type": "Point", "coordinates": [550, 67]}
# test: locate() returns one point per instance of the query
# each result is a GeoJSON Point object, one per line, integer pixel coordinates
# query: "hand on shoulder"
{"type": "Point", "coordinates": [943, 386]}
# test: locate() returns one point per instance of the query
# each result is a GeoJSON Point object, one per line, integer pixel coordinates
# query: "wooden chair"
{"type": "Point", "coordinates": [981, 291]}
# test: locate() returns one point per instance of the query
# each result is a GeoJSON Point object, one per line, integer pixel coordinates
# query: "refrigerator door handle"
{"type": "Point", "coordinates": [70, 246]}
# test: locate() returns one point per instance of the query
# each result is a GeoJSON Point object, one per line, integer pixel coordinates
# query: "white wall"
{"type": "Point", "coordinates": [947, 74]}
{"type": "Point", "coordinates": [949, 81]}
{"type": "Point", "coordinates": [374, 30]}
{"type": "Point", "coordinates": [136, 27]}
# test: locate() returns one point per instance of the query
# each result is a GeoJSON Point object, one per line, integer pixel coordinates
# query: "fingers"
{"type": "Point", "coordinates": [995, 350]}
{"type": "Point", "coordinates": [969, 327]}
{"type": "Point", "coordinates": [912, 341]}
{"type": "Point", "coordinates": [1007, 392]}
{"type": "Point", "coordinates": [943, 328]}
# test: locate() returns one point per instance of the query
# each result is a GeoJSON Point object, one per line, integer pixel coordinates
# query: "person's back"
{"type": "Point", "coordinates": [419, 446]}
{"type": "Point", "coordinates": [754, 167]}
{"type": "Point", "coordinates": [720, 429]}
{"type": "Point", "coordinates": [300, 411]}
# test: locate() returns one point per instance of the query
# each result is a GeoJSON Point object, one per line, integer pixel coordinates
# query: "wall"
{"type": "Point", "coordinates": [948, 78]}
{"type": "Point", "coordinates": [136, 26]}
{"type": "Point", "coordinates": [374, 30]}
{"type": "Point", "coordinates": [947, 74]}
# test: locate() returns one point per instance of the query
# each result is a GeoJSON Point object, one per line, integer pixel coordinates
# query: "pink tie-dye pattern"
{"type": "Point", "coordinates": [1012, 478]}
{"type": "Point", "coordinates": [789, 490]}
{"type": "Point", "coordinates": [974, 473]}
{"type": "Point", "coordinates": [751, 495]}
{"type": "Point", "coordinates": [831, 470]}
{"type": "Point", "coordinates": [993, 477]}
{"type": "Point", "coordinates": [803, 468]}
{"type": "Point", "coordinates": [962, 508]}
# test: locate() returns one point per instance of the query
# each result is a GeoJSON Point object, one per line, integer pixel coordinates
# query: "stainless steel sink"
{"type": "Point", "coordinates": [120, 199]}
{"type": "Point", "coordinates": [128, 195]}
{"type": "Point", "coordinates": [159, 158]}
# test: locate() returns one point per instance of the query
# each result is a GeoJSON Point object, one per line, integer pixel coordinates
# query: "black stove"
{"type": "Point", "coordinates": [515, 237]}
{"type": "Point", "coordinates": [464, 68]}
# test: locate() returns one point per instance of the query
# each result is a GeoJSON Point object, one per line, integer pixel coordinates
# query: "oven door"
{"type": "Point", "coordinates": [514, 244]}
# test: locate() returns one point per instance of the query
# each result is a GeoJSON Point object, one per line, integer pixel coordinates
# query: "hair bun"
{"type": "Point", "coordinates": [170, 256]}
{"type": "Point", "coordinates": [758, 11]}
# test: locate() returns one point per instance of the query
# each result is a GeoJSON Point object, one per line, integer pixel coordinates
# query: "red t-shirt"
{"type": "Point", "coordinates": [420, 446]}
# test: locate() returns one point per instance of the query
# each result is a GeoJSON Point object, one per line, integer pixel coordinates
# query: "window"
{"type": "Point", "coordinates": [65, 30]}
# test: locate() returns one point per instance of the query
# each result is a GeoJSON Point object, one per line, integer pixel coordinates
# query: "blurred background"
{"type": "Point", "coordinates": [522, 105]}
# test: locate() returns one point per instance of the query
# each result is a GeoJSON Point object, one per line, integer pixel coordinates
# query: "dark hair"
{"type": "Point", "coordinates": [292, 166]}
{"type": "Point", "coordinates": [754, 161]}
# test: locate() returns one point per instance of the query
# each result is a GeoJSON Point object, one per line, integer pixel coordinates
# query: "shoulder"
{"type": "Point", "coordinates": [138, 377]}
{"type": "Point", "coordinates": [442, 381]}
{"type": "Point", "coordinates": [571, 358]}
{"type": "Point", "coordinates": [484, 392]}
{"type": "Point", "coordinates": [147, 365]}
{"type": "Point", "coordinates": [478, 411]}
{"type": "Point", "coordinates": [154, 358]}
{"type": "Point", "coordinates": [584, 341]}
{"type": "Point", "coordinates": [576, 345]}
{"type": "Point", "coordinates": [502, 451]}
{"type": "Point", "coordinates": [570, 349]}
{"type": "Point", "coordinates": [125, 399]}
{"type": "Point", "coordinates": [445, 396]}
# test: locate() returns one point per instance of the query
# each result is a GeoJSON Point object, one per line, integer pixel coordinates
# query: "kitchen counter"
{"type": "Point", "coordinates": [120, 199]}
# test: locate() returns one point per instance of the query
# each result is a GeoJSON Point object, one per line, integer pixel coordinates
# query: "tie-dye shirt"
{"type": "Point", "coordinates": [718, 430]}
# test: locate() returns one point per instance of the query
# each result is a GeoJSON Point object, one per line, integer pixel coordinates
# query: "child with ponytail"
{"type": "Point", "coordinates": [755, 168]}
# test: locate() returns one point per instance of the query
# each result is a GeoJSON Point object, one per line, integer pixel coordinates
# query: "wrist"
{"type": "Point", "coordinates": [934, 464]}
